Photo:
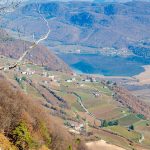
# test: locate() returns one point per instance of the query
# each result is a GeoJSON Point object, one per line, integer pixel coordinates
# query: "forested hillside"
{"type": "Point", "coordinates": [22, 122]}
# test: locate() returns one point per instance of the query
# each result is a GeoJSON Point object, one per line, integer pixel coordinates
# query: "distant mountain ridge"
{"type": "Point", "coordinates": [98, 25]}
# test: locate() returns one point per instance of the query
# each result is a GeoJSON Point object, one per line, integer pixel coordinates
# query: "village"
{"type": "Point", "coordinates": [54, 82]}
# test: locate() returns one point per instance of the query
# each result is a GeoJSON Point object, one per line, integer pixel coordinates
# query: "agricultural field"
{"type": "Point", "coordinates": [129, 120]}
{"type": "Point", "coordinates": [143, 127]}
{"type": "Point", "coordinates": [131, 135]}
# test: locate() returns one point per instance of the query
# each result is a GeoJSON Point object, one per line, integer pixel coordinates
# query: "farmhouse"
{"type": "Point", "coordinates": [96, 94]}
{"type": "Point", "coordinates": [28, 72]}
{"type": "Point", "coordinates": [71, 80]}
{"type": "Point", "coordinates": [52, 78]}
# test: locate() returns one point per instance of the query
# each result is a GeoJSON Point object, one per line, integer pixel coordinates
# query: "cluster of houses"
{"type": "Point", "coordinates": [87, 79]}
{"type": "Point", "coordinates": [45, 74]}
{"type": "Point", "coordinates": [47, 77]}
{"type": "Point", "coordinates": [28, 72]}
{"type": "Point", "coordinates": [71, 80]}
{"type": "Point", "coordinates": [50, 77]}
{"type": "Point", "coordinates": [76, 127]}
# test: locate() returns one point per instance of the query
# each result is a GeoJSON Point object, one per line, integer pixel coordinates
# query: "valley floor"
{"type": "Point", "coordinates": [144, 77]}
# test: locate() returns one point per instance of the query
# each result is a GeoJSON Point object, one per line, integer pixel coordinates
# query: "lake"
{"type": "Point", "coordinates": [105, 65]}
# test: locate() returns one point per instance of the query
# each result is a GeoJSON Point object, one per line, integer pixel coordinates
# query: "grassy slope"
{"type": "Point", "coordinates": [132, 135]}
{"type": "Point", "coordinates": [128, 120]}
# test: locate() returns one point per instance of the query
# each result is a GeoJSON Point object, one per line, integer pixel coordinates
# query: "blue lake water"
{"type": "Point", "coordinates": [105, 65]}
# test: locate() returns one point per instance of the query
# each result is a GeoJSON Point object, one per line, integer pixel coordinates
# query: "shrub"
{"type": "Point", "coordinates": [70, 147]}
{"type": "Point", "coordinates": [110, 123]}
{"type": "Point", "coordinates": [131, 127]}
{"type": "Point", "coordinates": [115, 122]}
{"type": "Point", "coordinates": [17, 79]}
{"type": "Point", "coordinates": [45, 134]}
{"type": "Point", "coordinates": [141, 116]}
{"type": "Point", "coordinates": [23, 78]}
{"type": "Point", "coordinates": [104, 124]}
{"type": "Point", "coordinates": [21, 137]}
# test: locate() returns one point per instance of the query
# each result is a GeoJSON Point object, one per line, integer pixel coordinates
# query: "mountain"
{"type": "Point", "coordinates": [40, 55]}
{"type": "Point", "coordinates": [89, 24]}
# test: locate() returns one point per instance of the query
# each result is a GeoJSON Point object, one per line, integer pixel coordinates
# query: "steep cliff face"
{"type": "Point", "coordinates": [40, 55]}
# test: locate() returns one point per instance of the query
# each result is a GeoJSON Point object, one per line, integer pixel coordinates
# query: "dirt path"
{"type": "Point", "coordinates": [79, 99]}
{"type": "Point", "coordinates": [142, 139]}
